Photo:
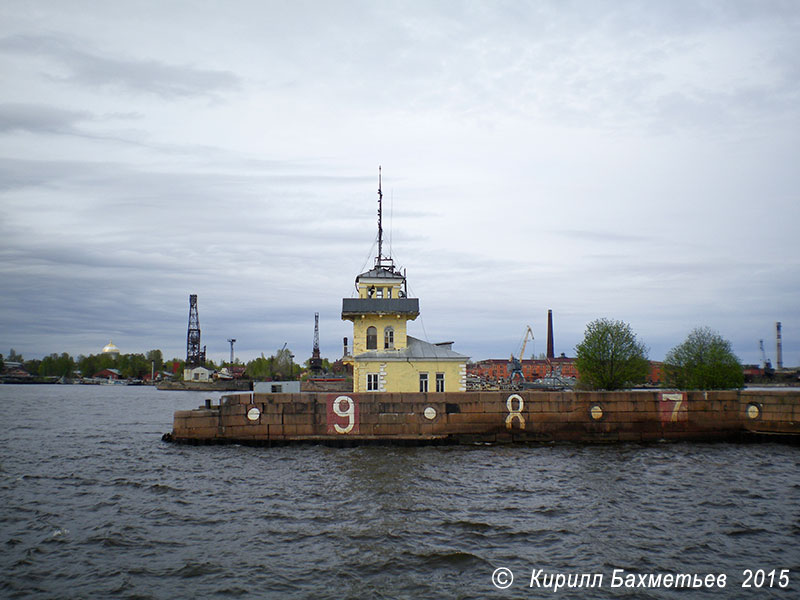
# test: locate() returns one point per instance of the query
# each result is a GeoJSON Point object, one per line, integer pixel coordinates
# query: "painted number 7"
{"type": "Point", "coordinates": [676, 409]}
{"type": "Point", "coordinates": [673, 408]}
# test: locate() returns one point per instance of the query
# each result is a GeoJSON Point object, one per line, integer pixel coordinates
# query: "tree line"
{"type": "Point", "coordinates": [611, 357]}
{"type": "Point", "coordinates": [130, 366]}
{"type": "Point", "coordinates": [279, 366]}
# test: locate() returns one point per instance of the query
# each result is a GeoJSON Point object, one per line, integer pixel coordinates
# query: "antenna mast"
{"type": "Point", "coordinates": [380, 220]}
{"type": "Point", "coordinates": [381, 261]}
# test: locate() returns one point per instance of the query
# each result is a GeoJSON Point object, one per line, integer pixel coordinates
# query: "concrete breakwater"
{"type": "Point", "coordinates": [222, 385]}
{"type": "Point", "coordinates": [491, 417]}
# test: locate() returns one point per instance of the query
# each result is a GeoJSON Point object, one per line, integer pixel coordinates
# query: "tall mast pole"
{"type": "Point", "coordinates": [380, 219]}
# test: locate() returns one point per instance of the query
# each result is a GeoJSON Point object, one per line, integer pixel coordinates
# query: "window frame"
{"type": "Point", "coordinates": [372, 338]}
{"type": "Point", "coordinates": [388, 338]}
{"type": "Point", "coordinates": [373, 382]}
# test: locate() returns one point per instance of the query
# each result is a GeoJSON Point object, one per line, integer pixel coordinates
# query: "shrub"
{"type": "Point", "coordinates": [610, 357]}
{"type": "Point", "coordinates": [705, 361]}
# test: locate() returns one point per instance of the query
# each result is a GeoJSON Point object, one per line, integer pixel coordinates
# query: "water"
{"type": "Point", "coordinates": [94, 505]}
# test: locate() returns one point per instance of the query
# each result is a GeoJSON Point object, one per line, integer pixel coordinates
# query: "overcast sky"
{"type": "Point", "coordinates": [631, 160]}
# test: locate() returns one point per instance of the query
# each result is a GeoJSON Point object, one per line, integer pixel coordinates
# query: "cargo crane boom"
{"type": "Point", "coordinates": [516, 363]}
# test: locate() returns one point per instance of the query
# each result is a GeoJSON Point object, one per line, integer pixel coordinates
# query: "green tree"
{"type": "Point", "coordinates": [88, 365]}
{"type": "Point", "coordinates": [610, 357]}
{"type": "Point", "coordinates": [94, 363]}
{"type": "Point", "coordinates": [155, 356]}
{"type": "Point", "coordinates": [260, 369]}
{"type": "Point", "coordinates": [32, 365]}
{"type": "Point", "coordinates": [57, 366]}
{"type": "Point", "coordinates": [283, 367]}
{"type": "Point", "coordinates": [280, 367]}
{"type": "Point", "coordinates": [14, 357]}
{"type": "Point", "coordinates": [133, 366]}
{"type": "Point", "coordinates": [704, 361]}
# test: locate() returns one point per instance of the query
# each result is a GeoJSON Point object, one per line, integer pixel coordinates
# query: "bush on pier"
{"type": "Point", "coordinates": [610, 357]}
{"type": "Point", "coordinates": [704, 361]}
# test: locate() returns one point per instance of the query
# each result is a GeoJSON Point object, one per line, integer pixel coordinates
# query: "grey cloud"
{"type": "Point", "coordinates": [601, 236]}
{"type": "Point", "coordinates": [37, 118]}
{"type": "Point", "coordinates": [139, 75]}
{"type": "Point", "coordinates": [18, 173]}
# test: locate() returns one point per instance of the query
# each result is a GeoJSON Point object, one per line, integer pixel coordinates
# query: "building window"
{"type": "Point", "coordinates": [372, 338]}
{"type": "Point", "coordinates": [372, 382]}
{"type": "Point", "coordinates": [388, 338]}
{"type": "Point", "coordinates": [379, 293]}
{"type": "Point", "coordinates": [388, 292]}
{"type": "Point", "coordinates": [423, 383]}
{"type": "Point", "coordinates": [440, 382]}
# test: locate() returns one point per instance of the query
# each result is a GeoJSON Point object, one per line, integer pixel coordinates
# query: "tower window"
{"type": "Point", "coordinates": [423, 383]}
{"type": "Point", "coordinates": [372, 338]}
{"type": "Point", "coordinates": [388, 338]}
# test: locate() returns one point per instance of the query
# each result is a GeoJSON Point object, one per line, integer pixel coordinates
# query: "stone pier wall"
{"type": "Point", "coordinates": [495, 417]}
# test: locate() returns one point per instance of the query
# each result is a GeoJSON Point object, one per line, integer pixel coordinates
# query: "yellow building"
{"type": "Point", "coordinates": [384, 357]}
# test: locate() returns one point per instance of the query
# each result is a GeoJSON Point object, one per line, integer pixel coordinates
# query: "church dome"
{"type": "Point", "coordinates": [110, 348]}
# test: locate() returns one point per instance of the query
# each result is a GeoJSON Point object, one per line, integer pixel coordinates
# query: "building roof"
{"type": "Point", "coordinates": [416, 350]}
{"type": "Point", "coordinates": [352, 307]}
{"type": "Point", "coordinates": [379, 272]}
{"type": "Point", "coordinates": [108, 372]}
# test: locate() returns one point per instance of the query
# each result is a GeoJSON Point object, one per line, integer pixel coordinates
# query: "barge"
{"type": "Point", "coordinates": [491, 417]}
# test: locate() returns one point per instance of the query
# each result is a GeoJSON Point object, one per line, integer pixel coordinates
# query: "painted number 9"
{"type": "Point", "coordinates": [344, 407]}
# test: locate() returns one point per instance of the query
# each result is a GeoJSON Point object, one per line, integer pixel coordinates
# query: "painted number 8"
{"type": "Point", "coordinates": [515, 413]}
{"type": "Point", "coordinates": [344, 407]}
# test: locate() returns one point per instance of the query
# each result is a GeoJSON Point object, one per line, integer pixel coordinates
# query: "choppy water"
{"type": "Point", "coordinates": [94, 505]}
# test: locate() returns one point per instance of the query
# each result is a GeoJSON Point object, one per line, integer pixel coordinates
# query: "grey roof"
{"type": "Point", "coordinates": [387, 306]}
{"type": "Point", "coordinates": [381, 273]}
{"type": "Point", "coordinates": [416, 350]}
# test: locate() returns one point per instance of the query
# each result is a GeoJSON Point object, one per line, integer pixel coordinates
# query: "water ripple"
{"type": "Point", "coordinates": [95, 505]}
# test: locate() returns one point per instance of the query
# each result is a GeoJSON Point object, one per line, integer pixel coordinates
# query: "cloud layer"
{"type": "Point", "coordinates": [600, 159]}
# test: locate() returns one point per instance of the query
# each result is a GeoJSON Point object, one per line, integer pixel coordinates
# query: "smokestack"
{"type": "Point", "coordinates": [779, 344]}
{"type": "Point", "coordinates": [550, 352]}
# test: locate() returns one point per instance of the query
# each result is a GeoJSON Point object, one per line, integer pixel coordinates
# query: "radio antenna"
{"type": "Point", "coordinates": [379, 258]}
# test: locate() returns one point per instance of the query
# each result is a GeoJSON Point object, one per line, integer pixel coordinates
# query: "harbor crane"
{"type": "Point", "coordinates": [768, 370]}
{"type": "Point", "coordinates": [516, 363]}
